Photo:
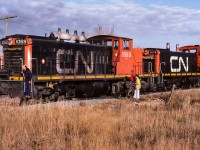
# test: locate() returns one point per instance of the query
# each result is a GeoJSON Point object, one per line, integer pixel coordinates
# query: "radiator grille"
{"type": "Point", "coordinates": [12, 60]}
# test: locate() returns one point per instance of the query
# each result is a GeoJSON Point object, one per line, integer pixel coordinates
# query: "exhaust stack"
{"type": "Point", "coordinates": [66, 35]}
{"type": "Point", "coordinates": [75, 37]}
{"type": "Point", "coordinates": [168, 46]}
{"type": "Point", "coordinates": [58, 33]}
{"type": "Point", "coordinates": [177, 47]}
{"type": "Point", "coordinates": [82, 37]}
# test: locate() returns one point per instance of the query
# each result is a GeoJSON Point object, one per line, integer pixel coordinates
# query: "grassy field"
{"type": "Point", "coordinates": [116, 125]}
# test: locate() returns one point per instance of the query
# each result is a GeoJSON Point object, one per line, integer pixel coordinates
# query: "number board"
{"type": "Point", "coordinates": [153, 52]}
{"type": "Point", "coordinates": [20, 42]}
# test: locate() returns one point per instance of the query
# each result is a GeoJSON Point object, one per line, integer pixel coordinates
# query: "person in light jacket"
{"type": "Point", "coordinates": [137, 88]}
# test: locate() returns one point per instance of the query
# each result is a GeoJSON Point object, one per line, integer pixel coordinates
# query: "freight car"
{"type": "Point", "coordinates": [99, 66]}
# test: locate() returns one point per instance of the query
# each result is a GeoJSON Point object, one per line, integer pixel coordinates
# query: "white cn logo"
{"type": "Point", "coordinates": [180, 61]}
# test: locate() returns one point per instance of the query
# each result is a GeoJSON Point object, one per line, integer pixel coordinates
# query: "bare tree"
{"type": "Point", "coordinates": [104, 30]}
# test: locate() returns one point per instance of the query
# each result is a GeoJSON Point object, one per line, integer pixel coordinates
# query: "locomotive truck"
{"type": "Point", "coordinates": [101, 65]}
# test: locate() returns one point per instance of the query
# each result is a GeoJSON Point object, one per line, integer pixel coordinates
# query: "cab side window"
{"type": "Point", "coordinates": [109, 43]}
{"type": "Point", "coordinates": [97, 42]}
{"type": "Point", "coordinates": [126, 44]}
{"type": "Point", "coordinates": [193, 50]}
{"type": "Point", "coordinates": [116, 44]}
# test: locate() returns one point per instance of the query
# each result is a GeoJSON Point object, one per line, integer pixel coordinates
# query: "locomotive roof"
{"type": "Point", "coordinates": [161, 49]}
{"type": "Point", "coordinates": [43, 37]}
{"type": "Point", "coordinates": [25, 35]}
{"type": "Point", "coordinates": [106, 36]}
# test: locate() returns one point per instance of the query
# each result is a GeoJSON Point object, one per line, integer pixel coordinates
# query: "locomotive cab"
{"type": "Point", "coordinates": [125, 58]}
{"type": "Point", "coordinates": [192, 49]}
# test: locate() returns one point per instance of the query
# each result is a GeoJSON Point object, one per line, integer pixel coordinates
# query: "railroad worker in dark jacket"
{"type": "Point", "coordinates": [27, 80]}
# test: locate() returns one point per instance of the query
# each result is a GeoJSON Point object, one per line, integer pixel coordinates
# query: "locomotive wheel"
{"type": "Point", "coordinates": [21, 101]}
{"type": "Point", "coordinates": [118, 95]}
{"type": "Point", "coordinates": [45, 100]}
{"type": "Point", "coordinates": [165, 89]}
{"type": "Point", "coordinates": [55, 96]}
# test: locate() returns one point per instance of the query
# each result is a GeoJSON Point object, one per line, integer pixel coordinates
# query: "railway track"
{"type": "Point", "coordinates": [147, 96]}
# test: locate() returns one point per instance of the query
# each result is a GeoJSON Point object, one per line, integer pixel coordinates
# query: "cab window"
{"type": "Point", "coordinates": [109, 43]}
{"type": "Point", "coordinates": [186, 51]}
{"type": "Point", "coordinates": [193, 51]}
{"type": "Point", "coordinates": [97, 42]}
{"type": "Point", "coordinates": [126, 44]}
{"type": "Point", "coordinates": [116, 44]}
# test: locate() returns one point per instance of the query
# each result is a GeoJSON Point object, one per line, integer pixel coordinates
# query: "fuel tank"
{"type": "Point", "coordinates": [92, 89]}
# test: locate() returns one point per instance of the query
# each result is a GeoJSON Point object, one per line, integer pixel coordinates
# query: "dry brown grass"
{"type": "Point", "coordinates": [114, 125]}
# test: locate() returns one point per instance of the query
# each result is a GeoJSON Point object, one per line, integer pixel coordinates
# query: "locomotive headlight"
{"type": "Point", "coordinates": [43, 61]}
{"type": "Point", "coordinates": [9, 41]}
{"type": "Point", "coordinates": [145, 52]}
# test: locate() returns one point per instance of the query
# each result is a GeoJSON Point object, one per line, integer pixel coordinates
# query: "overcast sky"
{"type": "Point", "coordinates": [151, 23]}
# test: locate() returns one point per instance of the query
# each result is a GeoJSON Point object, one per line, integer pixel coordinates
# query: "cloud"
{"type": "Point", "coordinates": [130, 19]}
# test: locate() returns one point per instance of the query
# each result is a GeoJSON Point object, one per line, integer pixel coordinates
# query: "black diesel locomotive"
{"type": "Point", "coordinates": [57, 66]}
{"type": "Point", "coordinates": [180, 67]}
{"type": "Point", "coordinates": [100, 66]}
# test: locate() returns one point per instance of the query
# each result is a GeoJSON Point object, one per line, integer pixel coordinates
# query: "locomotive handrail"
{"type": "Point", "coordinates": [51, 69]}
{"type": "Point", "coordinates": [22, 61]}
{"type": "Point", "coordinates": [150, 67]}
{"type": "Point", "coordinates": [32, 64]}
{"type": "Point", "coordinates": [161, 66]}
{"type": "Point", "coordinates": [117, 59]}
